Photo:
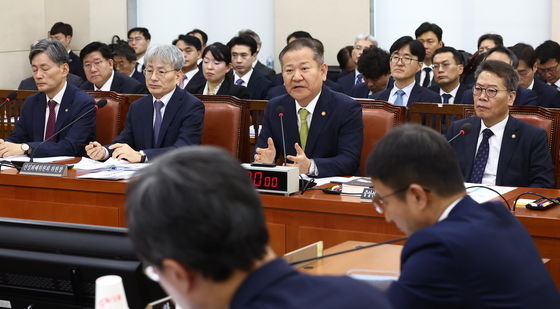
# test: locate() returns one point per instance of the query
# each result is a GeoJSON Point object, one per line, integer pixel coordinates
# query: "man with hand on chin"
{"type": "Point", "coordinates": [167, 119]}
{"type": "Point", "coordinates": [324, 127]}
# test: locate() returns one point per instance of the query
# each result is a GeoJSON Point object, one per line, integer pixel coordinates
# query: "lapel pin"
{"type": "Point", "coordinates": [323, 114]}
{"type": "Point", "coordinates": [513, 136]}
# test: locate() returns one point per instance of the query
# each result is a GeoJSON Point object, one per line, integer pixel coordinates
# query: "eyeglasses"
{"type": "Point", "coordinates": [150, 272]}
{"type": "Point", "coordinates": [405, 60]}
{"type": "Point", "coordinates": [378, 202]}
{"type": "Point", "coordinates": [490, 92]}
{"type": "Point", "coordinates": [89, 66]}
{"type": "Point", "coordinates": [159, 73]}
{"type": "Point", "coordinates": [550, 70]}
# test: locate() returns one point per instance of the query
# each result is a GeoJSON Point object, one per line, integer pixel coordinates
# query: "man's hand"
{"type": "Point", "coordinates": [266, 155]}
{"type": "Point", "coordinates": [123, 151]}
{"type": "Point", "coordinates": [95, 151]}
{"type": "Point", "coordinates": [9, 149]}
{"type": "Point", "coordinates": [300, 160]}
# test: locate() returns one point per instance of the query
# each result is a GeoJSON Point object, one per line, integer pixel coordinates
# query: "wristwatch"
{"type": "Point", "coordinates": [25, 148]}
{"type": "Point", "coordinates": [142, 156]}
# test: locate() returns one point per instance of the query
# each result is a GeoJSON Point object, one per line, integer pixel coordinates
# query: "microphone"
{"type": "Point", "coordinates": [12, 96]}
{"type": "Point", "coordinates": [100, 104]}
{"type": "Point", "coordinates": [280, 112]}
{"type": "Point", "coordinates": [465, 129]}
{"type": "Point", "coordinates": [390, 241]}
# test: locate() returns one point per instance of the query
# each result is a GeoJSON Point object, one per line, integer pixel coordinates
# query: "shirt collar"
{"type": "Point", "coordinates": [498, 128]}
{"type": "Point", "coordinates": [453, 92]}
{"type": "Point", "coordinates": [166, 98]}
{"type": "Point", "coordinates": [245, 77]}
{"type": "Point", "coordinates": [191, 73]}
{"type": "Point", "coordinates": [407, 90]}
{"type": "Point", "coordinates": [107, 85]}
{"type": "Point", "coordinates": [311, 106]}
{"type": "Point", "coordinates": [532, 84]}
{"type": "Point", "coordinates": [58, 97]}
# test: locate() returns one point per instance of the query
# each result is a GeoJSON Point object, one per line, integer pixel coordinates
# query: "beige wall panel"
{"type": "Point", "coordinates": [555, 18]}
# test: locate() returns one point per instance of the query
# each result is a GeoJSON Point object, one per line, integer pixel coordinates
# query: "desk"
{"type": "Point", "coordinates": [293, 221]}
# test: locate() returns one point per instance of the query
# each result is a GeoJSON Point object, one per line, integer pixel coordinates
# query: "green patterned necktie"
{"type": "Point", "coordinates": [303, 127]}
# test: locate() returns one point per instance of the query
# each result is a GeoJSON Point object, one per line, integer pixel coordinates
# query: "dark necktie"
{"type": "Point", "coordinates": [359, 79]}
{"type": "Point", "coordinates": [446, 97]}
{"type": "Point", "coordinates": [158, 105]}
{"type": "Point", "coordinates": [239, 82]}
{"type": "Point", "coordinates": [481, 157]}
{"type": "Point", "coordinates": [426, 81]}
{"type": "Point", "coordinates": [51, 121]}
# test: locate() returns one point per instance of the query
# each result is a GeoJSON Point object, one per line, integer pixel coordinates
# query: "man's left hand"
{"type": "Point", "coordinates": [9, 149]}
{"type": "Point", "coordinates": [300, 160]}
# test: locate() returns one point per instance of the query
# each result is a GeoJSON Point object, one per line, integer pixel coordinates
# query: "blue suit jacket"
{"type": "Point", "coordinates": [279, 90]}
{"type": "Point", "coordinates": [459, 95]}
{"type": "Point", "coordinates": [347, 82]}
{"type": "Point", "coordinates": [547, 95]}
{"type": "Point", "coordinates": [181, 125]}
{"type": "Point", "coordinates": [278, 285]}
{"type": "Point", "coordinates": [71, 142]}
{"type": "Point", "coordinates": [335, 135]}
{"type": "Point", "coordinates": [480, 256]}
{"type": "Point", "coordinates": [524, 96]}
{"type": "Point", "coordinates": [121, 84]}
{"type": "Point", "coordinates": [418, 94]}
{"type": "Point", "coordinates": [524, 155]}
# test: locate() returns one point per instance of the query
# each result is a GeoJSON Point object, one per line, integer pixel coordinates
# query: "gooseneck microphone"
{"type": "Point", "coordinates": [465, 129]}
{"type": "Point", "coordinates": [280, 112]}
{"type": "Point", "coordinates": [12, 96]}
{"type": "Point", "coordinates": [100, 104]}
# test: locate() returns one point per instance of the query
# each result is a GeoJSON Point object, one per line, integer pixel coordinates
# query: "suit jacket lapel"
{"type": "Point", "coordinates": [146, 122]}
{"type": "Point", "coordinates": [290, 126]}
{"type": "Point", "coordinates": [39, 118]}
{"type": "Point", "coordinates": [170, 111]}
{"type": "Point", "coordinates": [507, 150]}
{"type": "Point", "coordinates": [320, 116]}
{"type": "Point", "coordinates": [65, 111]}
{"type": "Point", "coordinates": [471, 140]}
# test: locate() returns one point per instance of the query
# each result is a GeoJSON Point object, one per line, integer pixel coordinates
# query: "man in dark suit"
{"type": "Point", "coordinates": [214, 250]}
{"type": "Point", "coordinates": [139, 39]}
{"type": "Point", "coordinates": [56, 105]}
{"type": "Point", "coordinates": [98, 65]}
{"type": "Point", "coordinates": [430, 36]}
{"type": "Point", "coordinates": [523, 96]}
{"type": "Point", "coordinates": [547, 95]}
{"type": "Point", "coordinates": [407, 55]}
{"type": "Point", "coordinates": [448, 67]}
{"type": "Point", "coordinates": [548, 62]}
{"type": "Point", "coordinates": [323, 128]}
{"type": "Point", "coordinates": [459, 253]}
{"type": "Point", "coordinates": [63, 32]}
{"type": "Point", "coordinates": [29, 83]}
{"type": "Point", "coordinates": [190, 46]}
{"type": "Point", "coordinates": [501, 150]}
{"type": "Point", "coordinates": [243, 54]}
{"type": "Point", "coordinates": [169, 118]}
{"type": "Point", "coordinates": [350, 80]}
{"type": "Point", "coordinates": [124, 60]}
{"type": "Point", "coordinates": [257, 65]}
{"type": "Point", "coordinates": [374, 65]}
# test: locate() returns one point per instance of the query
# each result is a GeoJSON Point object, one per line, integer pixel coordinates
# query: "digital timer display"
{"type": "Point", "coordinates": [269, 180]}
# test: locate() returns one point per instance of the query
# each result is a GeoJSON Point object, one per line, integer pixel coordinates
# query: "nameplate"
{"type": "Point", "coordinates": [367, 195]}
{"type": "Point", "coordinates": [44, 169]}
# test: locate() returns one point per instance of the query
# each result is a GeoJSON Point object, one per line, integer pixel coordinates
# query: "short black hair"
{"type": "Point", "coordinates": [197, 205]}
{"type": "Point", "coordinates": [503, 70]}
{"type": "Point", "coordinates": [525, 52]}
{"type": "Point", "coordinates": [343, 55]}
{"type": "Point", "coordinates": [426, 27]}
{"type": "Point", "coordinates": [417, 154]}
{"type": "Point", "coordinates": [219, 51]}
{"type": "Point", "coordinates": [548, 50]}
{"type": "Point", "coordinates": [498, 39]}
{"type": "Point", "coordinates": [123, 50]}
{"type": "Point", "coordinates": [144, 31]}
{"type": "Point", "coordinates": [202, 34]}
{"type": "Point", "coordinates": [448, 49]}
{"type": "Point", "coordinates": [298, 35]}
{"type": "Point", "coordinates": [189, 40]}
{"type": "Point", "coordinates": [374, 63]}
{"type": "Point", "coordinates": [96, 46]}
{"type": "Point", "coordinates": [416, 48]}
{"type": "Point", "coordinates": [504, 50]}
{"type": "Point", "coordinates": [60, 27]}
{"type": "Point", "coordinates": [244, 40]}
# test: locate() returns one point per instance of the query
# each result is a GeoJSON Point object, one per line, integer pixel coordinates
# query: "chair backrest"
{"type": "Point", "coordinates": [378, 117]}
{"type": "Point", "coordinates": [437, 116]}
{"type": "Point", "coordinates": [545, 118]}
{"type": "Point", "coordinates": [226, 124]}
{"type": "Point", "coordinates": [108, 119]}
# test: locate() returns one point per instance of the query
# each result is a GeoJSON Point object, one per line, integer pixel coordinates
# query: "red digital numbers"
{"type": "Point", "coordinates": [261, 181]}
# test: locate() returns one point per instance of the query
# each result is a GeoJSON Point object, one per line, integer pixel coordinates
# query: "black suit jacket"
{"type": "Point", "coordinates": [266, 71]}
{"type": "Point", "coordinates": [257, 86]}
{"type": "Point", "coordinates": [547, 96]}
{"type": "Point", "coordinates": [227, 88]}
{"type": "Point", "coordinates": [458, 96]}
{"type": "Point", "coordinates": [524, 96]}
{"type": "Point", "coordinates": [139, 77]}
{"type": "Point", "coordinates": [347, 82]}
{"type": "Point", "coordinates": [121, 84]}
{"type": "Point", "coordinates": [196, 82]}
{"type": "Point", "coordinates": [418, 94]}
{"type": "Point", "coordinates": [419, 82]}
{"type": "Point", "coordinates": [29, 83]}
{"type": "Point", "coordinates": [524, 158]}
{"type": "Point", "coordinates": [76, 66]}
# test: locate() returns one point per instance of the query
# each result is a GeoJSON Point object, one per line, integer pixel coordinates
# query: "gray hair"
{"type": "Point", "coordinates": [312, 44]}
{"type": "Point", "coordinates": [365, 37]}
{"type": "Point", "coordinates": [169, 54]}
{"type": "Point", "coordinates": [53, 48]}
{"type": "Point", "coordinates": [503, 70]}
{"type": "Point", "coordinates": [251, 33]}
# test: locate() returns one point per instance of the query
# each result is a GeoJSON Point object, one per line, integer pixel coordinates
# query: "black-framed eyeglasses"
{"type": "Point", "coordinates": [378, 201]}
{"type": "Point", "coordinates": [159, 73]}
{"type": "Point", "coordinates": [490, 92]}
{"type": "Point", "coordinates": [405, 60]}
